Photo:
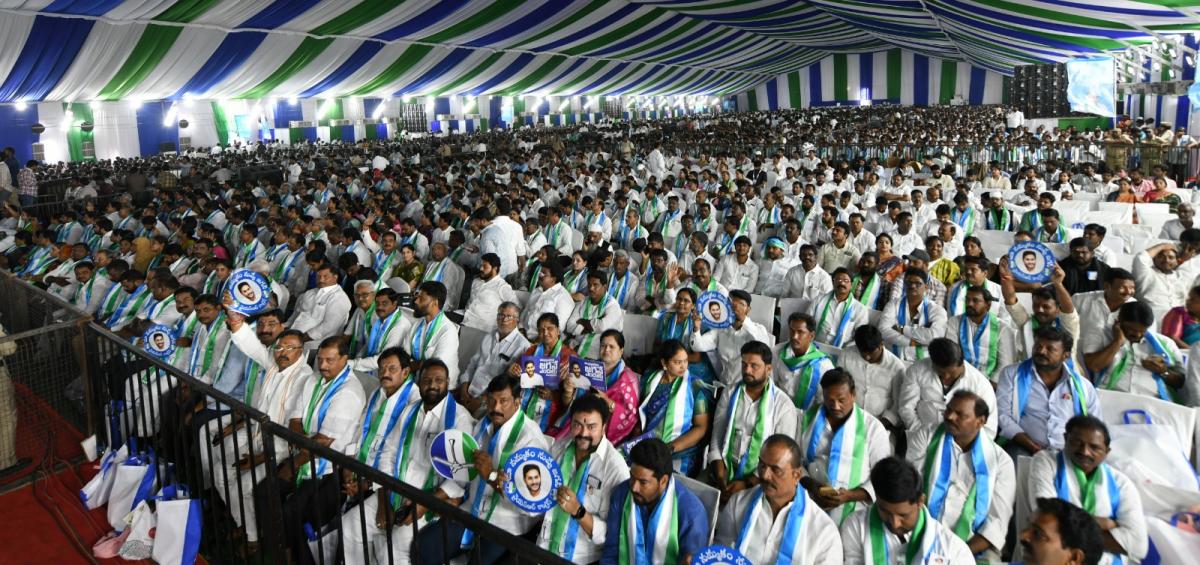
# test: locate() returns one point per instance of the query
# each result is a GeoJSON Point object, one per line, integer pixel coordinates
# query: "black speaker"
{"type": "Point", "coordinates": [86, 126]}
{"type": "Point", "coordinates": [38, 128]}
{"type": "Point", "coordinates": [166, 147]}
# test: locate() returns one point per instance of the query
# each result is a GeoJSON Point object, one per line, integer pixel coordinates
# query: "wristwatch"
{"type": "Point", "coordinates": [579, 514]}
{"type": "Point", "coordinates": [493, 476]}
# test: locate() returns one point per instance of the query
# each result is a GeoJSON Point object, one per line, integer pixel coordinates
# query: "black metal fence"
{"type": "Point", "coordinates": [235, 463]}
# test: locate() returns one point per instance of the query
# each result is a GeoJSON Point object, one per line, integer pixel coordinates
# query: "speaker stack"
{"type": "Point", "coordinates": [1040, 91]}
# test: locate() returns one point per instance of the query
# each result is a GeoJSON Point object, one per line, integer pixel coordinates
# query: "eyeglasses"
{"type": "Point", "coordinates": [505, 317]}
{"type": "Point", "coordinates": [285, 348]}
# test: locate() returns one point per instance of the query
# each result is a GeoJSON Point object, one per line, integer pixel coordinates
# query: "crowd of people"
{"type": "Point", "coordinates": [881, 419]}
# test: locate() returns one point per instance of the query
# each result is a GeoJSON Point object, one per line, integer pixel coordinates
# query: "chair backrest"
{"type": "Point", "coordinates": [1023, 503]}
{"type": "Point", "coordinates": [639, 334]}
{"type": "Point", "coordinates": [469, 340]}
{"type": "Point", "coordinates": [787, 306]}
{"type": "Point", "coordinates": [1180, 419]}
{"type": "Point", "coordinates": [1122, 211]}
{"type": "Point", "coordinates": [399, 285]}
{"type": "Point", "coordinates": [709, 497]}
{"type": "Point", "coordinates": [762, 310]}
{"type": "Point", "coordinates": [522, 298]}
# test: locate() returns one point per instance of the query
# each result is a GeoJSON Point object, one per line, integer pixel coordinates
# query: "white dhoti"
{"type": "Point", "coordinates": [356, 525]}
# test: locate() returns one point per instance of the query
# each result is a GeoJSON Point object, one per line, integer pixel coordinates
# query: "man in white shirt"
{"type": "Point", "coordinates": [1130, 356]}
{"type": "Point", "coordinates": [495, 238]}
{"type": "Point", "coordinates": [776, 518]}
{"type": "Point", "coordinates": [953, 480]}
{"type": "Point", "coordinates": [499, 350]}
{"type": "Point", "coordinates": [842, 442]}
{"type": "Point", "coordinates": [432, 335]}
{"type": "Point", "coordinates": [736, 271]}
{"type": "Point", "coordinates": [1098, 309]}
{"type": "Point", "coordinates": [404, 456]}
{"type": "Point", "coordinates": [504, 431]}
{"type": "Point", "coordinates": [879, 374]}
{"type": "Point", "coordinates": [1080, 475]}
{"type": "Point", "coordinates": [909, 325]}
{"type": "Point", "coordinates": [741, 422]}
{"type": "Point", "coordinates": [575, 529]}
{"type": "Point", "coordinates": [1160, 283]}
{"type": "Point", "coordinates": [773, 269]}
{"type": "Point", "coordinates": [897, 520]}
{"type": "Point", "coordinates": [728, 342]}
{"type": "Point", "coordinates": [321, 312]}
{"type": "Point", "coordinates": [548, 298]}
{"type": "Point", "coordinates": [808, 280]}
{"type": "Point", "coordinates": [90, 288]}
{"type": "Point", "coordinates": [1183, 220]}
{"type": "Point", "coordinates": [799, 364]}
{"type": "Point", "coordinates": [326, 407]}
{"type": "Point", "coordinates": [593, 315]}
{"type": "Point", "coordinates": [929, 384]}
{"type": "Point", "coordinates": [836, 312]}
{"type": "Point", "coordinates": [382, 329]}
{"type": "Point", "coordinates": [488, 291]}
{"type": "Point", "coordinates": [1037, 396]}
{"type": "Point", "coordinates": [442, 269]}
{"type": "Point", "coordinates": [988, 341]}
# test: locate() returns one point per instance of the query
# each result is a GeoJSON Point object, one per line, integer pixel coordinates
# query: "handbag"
{"type": "Point", "coordinates": [96, 492]}
{"type": "Point", "coordinates": [139, 536]}
{"type": "Point", "coordinates": [1169, 544]}
{"type": "Point", "coordinates": [1150, 453]}
{"type": "Point", "coordinates": [177, 536]}
{"type": "Point", "coordinates": [134, 482]}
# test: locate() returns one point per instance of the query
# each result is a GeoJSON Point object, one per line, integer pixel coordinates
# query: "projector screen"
{"type": "Point", "coordinates": [1091, 86]}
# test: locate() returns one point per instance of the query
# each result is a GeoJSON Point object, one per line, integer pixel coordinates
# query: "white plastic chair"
{"type": "Point", "coordinates": [1123, 211]}
{"type": "Point", "coordinates": [762, 310]}
{"type": "Point", "coordinates": [639, 334]}
{"type": "Point", "coordinates": [399, 285]}
{"type": "Point", "coordinates": [576, 239]}
{"type": "Point", "coordinates": [469, 341]}
{"type": "Point", "coordinates": [788, 306]}
{"type": "Point", "coordinates": [709, 497]}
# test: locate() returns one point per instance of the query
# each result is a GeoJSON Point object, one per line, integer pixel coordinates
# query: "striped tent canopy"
{"type": "Point", "coordinates": [73, 50]}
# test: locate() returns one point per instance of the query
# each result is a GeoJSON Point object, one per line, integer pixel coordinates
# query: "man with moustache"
{"type": "Point", "coordinates": [273, 397]}
{"type": "Point", "coordinates": [381, 331]}
{"type": "Point", "coordinates": [503, 432]}
{"type": "Point", "coordinates": [898, 528]}
{"type": "Point", "coordinates": [405, 456]}
{"type": "Point", "coordinates": [592, 467]}
{"type": "Point", "coordinates": [638, 534]}
{"type": "Point", "coordinates": [754, 409]}
{"type": "Point", "coordinates": [776, 520]}
{"type": "Point", "coordinates": [1078, 474]}
{"type": "Point", "coordinates": [1061, 533]}
{"type": "Point", "coordinates": [837, 313]}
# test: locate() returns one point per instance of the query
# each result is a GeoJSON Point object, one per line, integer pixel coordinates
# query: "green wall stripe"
{"type": "Point", "coordinates": [356, 17]}
{"type": "Point", "coordinates": [793, 80]}
{"type": "Point", "coordinates": [949, 78]}
{"type": "Point", "coordinates": [841, 78]}
{"type": "Point", "coordinates": [895, 63]}
{"type": "Point", "coordinates": [752, 100]}
{"type": "Point", "coordinates": [308, 50]}
{"type": "Point", "coordinates": [185, 11]}
{"type": "Point", "coordinates": [222, 123]}
{"type": "Point", "coordinates": [76, 136]}
{"type": "Point", "coordinates": [409, 58]}
{"type": "Point", "coordinates": [485, 16]}
{"type": "Point", "coordinates": [151, 47]}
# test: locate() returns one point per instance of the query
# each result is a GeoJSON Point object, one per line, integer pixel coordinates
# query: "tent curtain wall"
{"type": "Point", "coordinates": [116, 132]}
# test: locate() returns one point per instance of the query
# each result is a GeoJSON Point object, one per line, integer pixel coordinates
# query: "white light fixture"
{"type": "Point", "coordinates": [378, 113]}
{"type": "Point", "coordinates": [293, 100]}
{"type": "Point", "coordinates": [21, 105]}
{"type": "Point", "coordinates": [95, 104]}
{"type": "Point", "coordinates": [170, 117]}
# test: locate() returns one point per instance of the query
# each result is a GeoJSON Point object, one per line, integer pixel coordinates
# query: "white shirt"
{"type": "Point", "coordinates": [818, 533]}
{"type": "Point", "coordinates": [486, 298]}
{"type": "Point", "coordinates": [505, 516]}
{"type": "Point", "coordinates": [736, 276]}
{"type": "Point", "coordinates": [783, 416]}
{"type": "Point", "coordinates": [923, 399]}
{"type": "Point", "coordinates": [493, 359]}
{"type": "Point", "coordinates": [728, 344]}
{"type": "Point", "coordinates": [1135, 378]}
{"type": "Point", "coordinates": [442, 343]}
{"type": "Point", "coordinates": [922, 328]}
{"type": "Point", "coordinates": [321, 312]}
{"type": "Point", "coordinates": [495, 239]}
{"type": "Point", "coordinates": [1131, 530]}
{"type": "Point", "coordinates": [772, 276]}
{"type": "Point", "coordinates": [606, 470]}
{"type": "Point", "coordinates": [808, 285]}
{"type": "Point", "coordinates": [1161, 291]}
{"type": "Point", "coordinates": [1094, 315]}
{"type": "Point", "coordinates": [949, 549]}
{"type": "Point", "coordinates": [429, 423]}
{"type": "Point", "coordinates": [830, 321]}
{"type": "Point", "coordinates": [878, 384]}
{"type": "Point", "coordinates": [273, 395]}
{"type": "Point", "coordinates": [342, 419]}
{"type": "Point", "coordinates": [1006, 345]}
{"type": "Point", "coordinates": [1172, 228]}
{"type": "Point", "coordinates": [962, 477]}
{"type": "Point", "coordinates": [556, 300]}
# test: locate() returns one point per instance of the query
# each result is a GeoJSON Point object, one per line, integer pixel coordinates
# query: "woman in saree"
{"type": "Point", "coordinates": [1161, 195]}
{"type": "Point", "coordinates": [621, 388]}
{"type": "Point", "coordinates": [1123, 193]}
{"type": "Point", "coordinates": [1182, 323]}
{"type": "Point", "coordinates": [676, 408]}
{"type": "Point", "coordinates": [541, 403]}
{"type": "Point", "coordinates": [677, 323]}
{"type": "Point", "coordinates": [890, 266]}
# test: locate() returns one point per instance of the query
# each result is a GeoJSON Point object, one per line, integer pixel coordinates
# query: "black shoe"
{"type": "Point", "coordinates": [16, 467]}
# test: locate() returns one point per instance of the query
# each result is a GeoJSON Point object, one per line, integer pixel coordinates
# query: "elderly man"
{"type": "Point", "coordinates": [575, 529]}
{"type": "Point", "coordinates": [382, 330]}
{"type": "Point", "coordinates": [1079, 474]}
{"type": "Point", "coordinates": [752, 410]}
{"type": "Point", "coordinates": [776, 519]}
{"type": "Point", "coordinates": [321, 312]}
{"type": "Point", "coordinates": [1185, 213]}
{"type": "Point", "coordinates": [970, 482]}
{"type": "Point", "coordinates": [498, 351]}
{"type": "Point", "coordinates": [1160, 283]}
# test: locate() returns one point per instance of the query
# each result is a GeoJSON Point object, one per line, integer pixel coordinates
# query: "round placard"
{"type": "Point", "coordinates": [1031, 262]}
{"type": "Point", "coordinates": [159, 341]}
{"type": "Point", "coordinates": [251, 292]}
{"type": "Point", "coordinates": [720, 555]}
{"type": "Point", "coordinates": [716, 311]}
{"type": "Point", "coordinates": [452, 454]}
{"type": "Point", "coordinates": [533, 478]}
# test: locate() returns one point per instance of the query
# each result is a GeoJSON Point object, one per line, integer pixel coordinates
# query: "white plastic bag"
{"type": "Point", "coordinates": [135, 481]}
{"type": "Point", "coordinates": [326, 550]}
{"type": "Point", "coordinates": [1149, 453]}
{"type": "Point", "coordinates": [140, 542]}
{"type": "Point", "coordinates": [177, 539]}
{"type": "Point", "coordinates": [1170, 545]}
{"type": "Point", "coordinates": [96, 492]}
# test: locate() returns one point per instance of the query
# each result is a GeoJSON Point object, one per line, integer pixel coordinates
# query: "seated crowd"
{"type": "Point", "coordinates": [880, 417]}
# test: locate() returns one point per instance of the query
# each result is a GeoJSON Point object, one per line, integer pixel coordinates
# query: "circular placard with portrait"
{"type": "Point", "coordinates": [533, 478]}
{"type": "Point", "coordinates": [1031, 262]}
{"type": "Point", "coordinates": [716, 311]}
{"type": "Point", "coordinates": [159, 340]}
{"type": "Point", "coordinates": [251, 292]}
{"type": "Point", "coordinates": [720, 555]}
{"type": "Point", "coordinates": [453, 455]}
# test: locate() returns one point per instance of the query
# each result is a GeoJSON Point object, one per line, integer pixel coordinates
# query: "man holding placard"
{"type": "Point", "coordinates": [776, 521]}
{"type": "Point", "coordinates": [592, 468]}
{"type": "Point", "coordinates": [728, 341]}
{"type": "Point", "coordinates": [505, 430]}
